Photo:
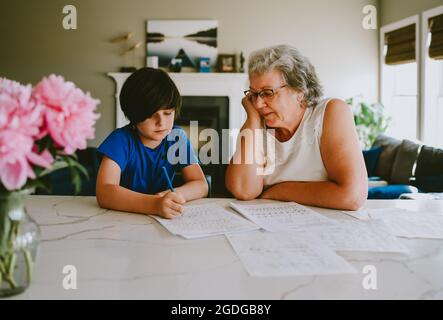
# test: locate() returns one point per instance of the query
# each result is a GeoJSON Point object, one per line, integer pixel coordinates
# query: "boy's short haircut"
{"type": "Point", "coordinates": [145, 92]}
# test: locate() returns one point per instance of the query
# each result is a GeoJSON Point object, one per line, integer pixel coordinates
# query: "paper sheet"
{"type": "Point", "coordinates": [362, 214]}
{"type": "Point", "coordinates": [384, 212]}
{"type": "Point", "coordinates": [368, 213]}
{"type": "Point", "coordinates": [411, 224]}
{"type": "Point", "coordinates": [198, 221]}
{"type": "Point", "coordinates": [266, 254]}
{"type": "Point", "coordinates": [282, 216]}
{"type": "Point", "coordinates": [364, 236]}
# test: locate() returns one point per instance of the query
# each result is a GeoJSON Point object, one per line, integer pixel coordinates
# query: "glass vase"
{"type": "Point", "coordinates": [19, 239]}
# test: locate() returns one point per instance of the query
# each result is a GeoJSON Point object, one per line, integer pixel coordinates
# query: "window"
{"type": "Point", "coordinates": [399, 77]}
{"type": "Point", "coordinates": [432, 80]}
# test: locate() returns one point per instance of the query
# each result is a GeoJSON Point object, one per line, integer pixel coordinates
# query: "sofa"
{"type": "Point", "coordinates": [401, 168]}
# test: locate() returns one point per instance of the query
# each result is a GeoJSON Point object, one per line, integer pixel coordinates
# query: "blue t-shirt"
{"type": "Point", "coordinates": [141, 166]}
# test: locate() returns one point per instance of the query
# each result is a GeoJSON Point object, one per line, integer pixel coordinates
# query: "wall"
{"type": "Point", "coordinates": [395, 10]}
{"type": "Point", "coordinates": [33, 42]}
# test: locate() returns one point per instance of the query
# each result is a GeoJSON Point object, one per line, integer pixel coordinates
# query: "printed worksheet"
{"type": "Point", "coordinates": [411, 224]}
{"type": "Point", "coordinates": [362, 214]}
{"type": "Point", "coordinates": [204, 220]}
{"type": "Point", "coordinates": [268, 254]}
{"type": "Point", "coordinates": [277, 216]}
{"type": "Point", "coordinates": [364, 236]}
{"type": "Point", "coordinates": [366, 213]}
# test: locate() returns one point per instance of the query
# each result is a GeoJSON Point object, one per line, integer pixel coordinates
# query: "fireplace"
{"type": "Point", "coordinates": [212, 99]}
{"type": "Point", "coordinates": [210, 112]}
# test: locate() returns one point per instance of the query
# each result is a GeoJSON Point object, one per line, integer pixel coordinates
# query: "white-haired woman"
{"type": "Point", "coordinates": [316, 159]}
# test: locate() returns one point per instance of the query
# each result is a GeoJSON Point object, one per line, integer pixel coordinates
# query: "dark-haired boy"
{"type": "Point", "coordinates": [131, 176]}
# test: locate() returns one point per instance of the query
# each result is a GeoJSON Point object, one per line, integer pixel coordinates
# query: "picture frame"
{"type": "Point", "coordinates": [226, 63]}
{"type": "Point", "coordinates": [187, 40]}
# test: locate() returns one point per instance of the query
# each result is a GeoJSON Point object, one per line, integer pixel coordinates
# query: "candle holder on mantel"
{"type": "Point", "coordinates": [128, 52]}
{"type": "Point", "coordinates": [131, 53]}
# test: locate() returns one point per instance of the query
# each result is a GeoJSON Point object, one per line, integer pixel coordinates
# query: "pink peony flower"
{"type": "Point", "coordinates": [21, 121]}
{"type": "Point", "coordinates": [18, 111]}
{"type": "Point", "coordinates": [14, 167]}
{"type": "Point", "coordinates": [17, 151]}
{"type": "Point", "coordinates": [54, 107]}
{"type": "Point", "coordinates": [69, 112]}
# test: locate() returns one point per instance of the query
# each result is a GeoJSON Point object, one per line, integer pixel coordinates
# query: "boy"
{"type": "Point", "coordinates": [131, 175]}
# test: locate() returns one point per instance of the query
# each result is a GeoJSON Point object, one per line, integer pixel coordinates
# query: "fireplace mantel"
{"type": "Point", "coordinates": [229, 85]}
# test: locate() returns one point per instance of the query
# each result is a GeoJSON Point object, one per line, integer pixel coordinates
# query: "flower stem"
{"type": "Point", "coordinates": [2, 269]}
{"type": "Point", "coordinates": [7, 277]}
{"type": "Point", "coordinates": [29, 264]}
{"type": "Point", "coordinates": [11, 282]}
{"type": "Point", "coordinates": [12, 214]}
{"type": "Point", "coordinates": [12, 265]}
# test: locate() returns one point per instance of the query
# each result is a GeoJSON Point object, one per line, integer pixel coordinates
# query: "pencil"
{"type": "Point", "coordinates": [168, 180]}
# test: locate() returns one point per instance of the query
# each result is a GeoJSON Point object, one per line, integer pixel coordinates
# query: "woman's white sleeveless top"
{"type": "Point", "coordinates": [299, 158]}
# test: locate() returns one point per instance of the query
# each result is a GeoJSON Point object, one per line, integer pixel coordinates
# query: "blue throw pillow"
{"type": "Point", "coordinates": [371, 157]}
{"type": "Point", "coordinates": [389, 192]}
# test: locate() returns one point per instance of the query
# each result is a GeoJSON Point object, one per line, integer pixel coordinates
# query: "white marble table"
{"type": "Point", "coordinates": [128, 256]}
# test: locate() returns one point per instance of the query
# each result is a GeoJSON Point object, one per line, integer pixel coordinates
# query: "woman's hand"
{"type": "Point", "coordinates": [170, 205]}
{"type": "Point", "coordinates": [250, 109]}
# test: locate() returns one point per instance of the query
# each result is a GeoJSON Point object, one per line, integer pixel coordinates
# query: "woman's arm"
{"type": "Point", "coordinates": [195, 186]}
{"type": "Point", "coordinates": [348, 183]}
{"type": "Point", "coordinates": [242, 179]}
{"type": "Point", "coordinates": [111, 195]}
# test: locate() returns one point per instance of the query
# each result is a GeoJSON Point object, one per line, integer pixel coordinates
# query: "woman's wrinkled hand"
{"type": "Point", "coordinates": [250, 109]}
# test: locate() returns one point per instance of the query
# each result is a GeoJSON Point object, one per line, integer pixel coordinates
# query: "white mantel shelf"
{"type": "Point", "coordinates": [230, 85]}
{"type": "Point", "coordinates": [121, 255]}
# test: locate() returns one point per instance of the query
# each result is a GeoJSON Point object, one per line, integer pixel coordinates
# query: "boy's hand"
{"type": "Point", "coordinates": [162, 193]}
{"type": "Point", "coordinates": [170, 204]}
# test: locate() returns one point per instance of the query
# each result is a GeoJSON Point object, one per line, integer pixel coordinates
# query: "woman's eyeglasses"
{"type": "Point", "coordinates": [265, 94]}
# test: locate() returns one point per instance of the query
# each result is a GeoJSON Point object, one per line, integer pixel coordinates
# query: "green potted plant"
{"type": "Point", "coordinates": [370, 121]}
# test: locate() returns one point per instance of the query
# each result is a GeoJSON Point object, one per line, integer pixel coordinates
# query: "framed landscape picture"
{"type": "Point", "coordinates": [188, 40]}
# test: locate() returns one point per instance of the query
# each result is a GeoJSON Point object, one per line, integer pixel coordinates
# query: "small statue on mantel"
{"type": "Point", "coordinates": [242, 62]}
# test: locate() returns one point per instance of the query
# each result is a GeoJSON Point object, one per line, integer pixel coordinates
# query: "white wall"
{"type": "Point", "coordinates": [395, 10]}
{"type": "Point", "coordinates": [330, 33]}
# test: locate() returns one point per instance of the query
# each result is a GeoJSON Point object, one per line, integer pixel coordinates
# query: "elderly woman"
{"type": "Point", "coordinates": [316, 159]}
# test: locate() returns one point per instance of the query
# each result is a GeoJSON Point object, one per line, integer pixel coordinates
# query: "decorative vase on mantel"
{"type": "Point", "coordinates": [19, 239]}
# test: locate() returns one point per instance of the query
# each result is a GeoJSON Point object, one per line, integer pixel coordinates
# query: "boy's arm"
{"type": "Point", "coordinates": [111, 195]}
{"type": "Point", "coordinates": [195, 186]}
